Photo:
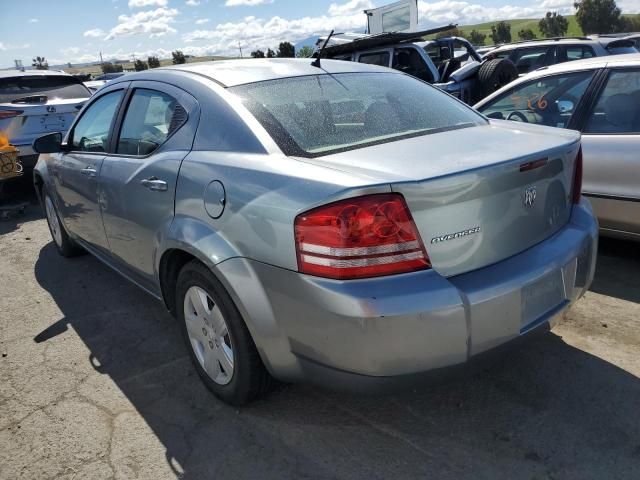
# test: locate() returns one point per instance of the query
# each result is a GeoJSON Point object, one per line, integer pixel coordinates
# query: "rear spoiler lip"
{"type": "Point", "coordinates": [382, 39]}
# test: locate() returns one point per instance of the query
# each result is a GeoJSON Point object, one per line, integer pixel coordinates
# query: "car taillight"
{"type": "Point", "coordinates": [366, 236]}
{"type": "Point", "coordinates": [577, 178]}
{"type": "Point", "coordinates": [9, 113]}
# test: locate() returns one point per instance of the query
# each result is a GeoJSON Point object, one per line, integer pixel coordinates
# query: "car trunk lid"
{"type": "Point", "coordinates": [39, 118]}
{"type": "Point", "coordinates": [491, 193]}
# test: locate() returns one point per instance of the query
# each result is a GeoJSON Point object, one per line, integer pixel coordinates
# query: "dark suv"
{"type": "Point", "coordinates": [451, 64]}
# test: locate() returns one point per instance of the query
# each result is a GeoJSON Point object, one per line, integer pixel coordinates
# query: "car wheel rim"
{"type": "Point", "coordinates": [52, 218]}
{"type": "Point", "coordinates": [208, 335]}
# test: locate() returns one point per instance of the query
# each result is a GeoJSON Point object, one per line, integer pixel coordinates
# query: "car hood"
{"type": "Point", "coordinates": [446, 153]}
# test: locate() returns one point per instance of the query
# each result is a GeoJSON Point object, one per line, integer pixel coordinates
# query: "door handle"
{"type": "Point", "coordinates": [154, 184]}
{"type": "Point", "coordinates": [89, 171]}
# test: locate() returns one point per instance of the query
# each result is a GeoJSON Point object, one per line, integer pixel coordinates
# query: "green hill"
{"type": "Point", "coordinates": [517, 25]}
{"type": "Point", "coordinates": [520, 24]}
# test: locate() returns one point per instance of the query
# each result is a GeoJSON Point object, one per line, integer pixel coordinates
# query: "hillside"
{"type": "Point", "coordinates": [520, 24]}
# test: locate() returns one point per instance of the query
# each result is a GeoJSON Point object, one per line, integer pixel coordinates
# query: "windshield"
{"type": "Point", "coordinates": [51, 86]}
{"type": "Point", "coordinates": [320, 114]}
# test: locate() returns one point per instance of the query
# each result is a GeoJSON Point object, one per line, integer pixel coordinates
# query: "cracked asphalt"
{"type": "Point", "coordinates": [95, 384]}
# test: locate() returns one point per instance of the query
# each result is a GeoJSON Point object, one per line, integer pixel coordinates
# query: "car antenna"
{"type": "Point", "coordinates": [316, 62]}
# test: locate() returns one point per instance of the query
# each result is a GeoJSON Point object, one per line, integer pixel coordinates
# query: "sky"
{"type": "Point", "coordinates": [78, 30]}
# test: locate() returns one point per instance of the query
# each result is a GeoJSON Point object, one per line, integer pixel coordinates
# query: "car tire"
{"type": "Point", "coordinates": [64, 244]}
{"type": "Point", "coordinates": [218, 341]}
{"type": "Point", "coordinates": [495, 74]}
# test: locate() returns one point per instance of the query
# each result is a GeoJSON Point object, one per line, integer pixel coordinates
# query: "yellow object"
{"type": "Point", "coordinates": [9, 165]}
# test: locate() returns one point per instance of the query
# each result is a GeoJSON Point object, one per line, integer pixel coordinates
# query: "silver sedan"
{"type": "Point", "coordinates": [346, 225]}
{"type": "Point", "coordinates": [601, 98]}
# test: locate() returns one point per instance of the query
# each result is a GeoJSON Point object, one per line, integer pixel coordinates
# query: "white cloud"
{"type": "Point", "coordinates": [147, 3]}
{"type": "Point", "coordinates": [9, 46]}
{"type": "Point", "coordinates": [155, 23]}
{"type": "Point", "coordinates": [249, 3]}
{"type": "Point", "coordinates": [192, 3]}
{"type": "Point", "coordinates": [556, 4]}
{"type": "Point", "coordinates": [253, 32]}
{"type": "Point", "coordinates": [70, 51]}
{"type": "Point", "coordinates": [202, 21]}
{"type": "Point", "coordinates": [94, 32]}
{"type": "Point", "coordinates": [33, 20]}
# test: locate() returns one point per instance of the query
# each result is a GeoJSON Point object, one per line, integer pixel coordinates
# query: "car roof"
{"type": "Point", "coordinates": [555, 41]}
{"type": "Point", "coordinates": [31, 73]}
{"type": "Point", "coordinates": [230, 73]}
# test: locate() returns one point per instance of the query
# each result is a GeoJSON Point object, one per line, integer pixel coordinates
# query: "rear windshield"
{"type": "Point", "coordinates": [52, 86]}
{"type": "Point", "coordinates": [321, 114]}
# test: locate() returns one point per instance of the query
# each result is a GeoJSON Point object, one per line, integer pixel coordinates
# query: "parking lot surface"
{"type": "Point", "coordinates": [95, 383]}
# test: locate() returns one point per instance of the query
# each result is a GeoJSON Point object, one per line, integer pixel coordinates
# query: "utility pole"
{"type": "Point", "coordinates": [240, 48]}
{"type": "Point", "coordinates": [101, 62]}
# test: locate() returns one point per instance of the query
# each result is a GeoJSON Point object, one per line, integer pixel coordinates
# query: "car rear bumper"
{"type": "Point", "coordinates": [382, 331]}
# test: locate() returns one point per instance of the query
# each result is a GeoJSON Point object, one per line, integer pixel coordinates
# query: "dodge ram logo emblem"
{"type": "Point", "coordinates": [51, 109]}
{"type": "Point", "coordinates": [529, 197]}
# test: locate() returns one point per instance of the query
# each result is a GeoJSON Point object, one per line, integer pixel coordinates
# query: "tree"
{"type": "Point", "coordinates": [271, 53]}
{"type": "Point", "coordinates": [501, 33]}
{"type": "Point", "coordinates": [178, 57]}
{"type": "Point", "coordinates": [139, 65]}
{"type": "Point", "coordinates": [153, 62]}
{"type": "Point", "coordinates": [598, 16]}
{"type": "Point", "coordinates": [526, 34]}
{"type": "Point", "coordinates": [108, 67]}
{"type": "Point", "coordinates": [476, 37]}
{"type": "Point", "coordinates": [553, 25]}
{"type": "Point", "coordinates": [304, 52]}
{"type": "Point", "coordinates": [40, 63]}
{"type": "Point", "coordinates": [257, 54]}
{"type": "Point", "coordinates": [286, 50]}
{"type": "Point", "coordinates": [630, 24]}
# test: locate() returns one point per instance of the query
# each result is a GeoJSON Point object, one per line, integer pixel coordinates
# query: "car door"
{"type": "Point", "coordinates": [138, 179]}
{"type": "Point", "coordinates": [611, 152]}
{"type": "Point", "coordinates": [77, 168]}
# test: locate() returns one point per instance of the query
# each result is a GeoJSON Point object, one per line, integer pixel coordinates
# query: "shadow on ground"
{"type": "Point", "coordinates": [546, 411]}
{"type": "Point", "coordinates": [13, 193]}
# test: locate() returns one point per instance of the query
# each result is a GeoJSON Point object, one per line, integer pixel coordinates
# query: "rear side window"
{"type": "Point", "coordinates": [91, 133]}
{"type": "Point", "coordinates": [151, 118]}
{"type": "Point", "coordinates": [19, 89]}
{"type": "Point", "coordinates": [320, 114]}
{"type": "Point", "coordinates": [530, 59]}
{"type": "Point", "coordinates": [617, 108]}
{"type": "Point", "coordinates": [578, 52]}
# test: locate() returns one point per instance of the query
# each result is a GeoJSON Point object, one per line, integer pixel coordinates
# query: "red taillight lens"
{"type": "Point", "coordinates": [577, 178]}
{"type": "Point", "coordinates": [360, 237]}
{"type": "Point", "coordinates": [9, 113]}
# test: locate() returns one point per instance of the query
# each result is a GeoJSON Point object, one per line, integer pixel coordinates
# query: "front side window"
{"type": "Point", "coordinates": [550, 101]}
{"type": "Point", "coordinates": [91, 133]}
{"type": "Point", "coordinates": [617, 108]}
{"type": "Point", "coordinates": [409, 61]}
{"type": "Point", "coordinates": [151, 118]}
{"type": "Point", "coordinates": [321, 114]}
{"type": "Point", "coordinates": [377, 58]}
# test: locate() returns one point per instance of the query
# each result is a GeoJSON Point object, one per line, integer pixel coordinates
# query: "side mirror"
{"type": "Point", "coordinates": [565, 106]}
{"type": "Point", "coordinates": [49, 143]}
{"type": "Point", "coordinates": [496, 115]}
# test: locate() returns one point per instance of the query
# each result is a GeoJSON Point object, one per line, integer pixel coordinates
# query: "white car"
{"type": "Point", "coordinates": [35, 102]}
